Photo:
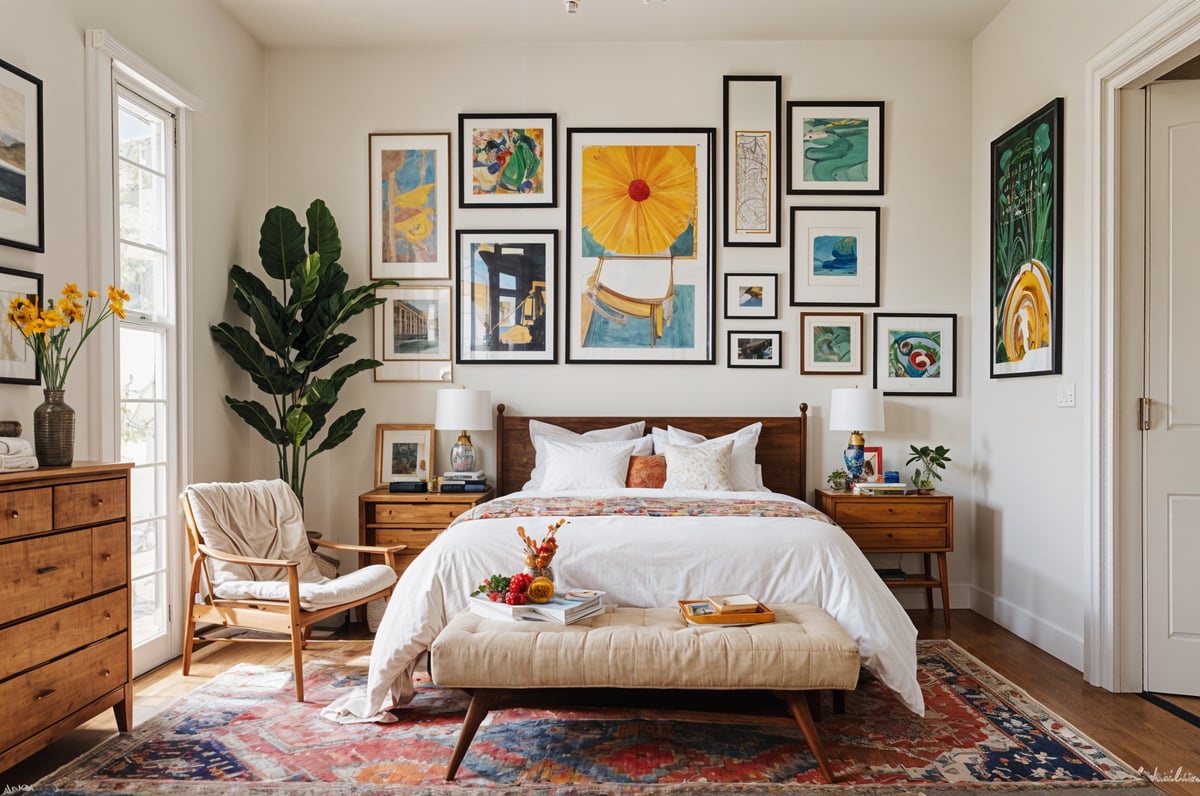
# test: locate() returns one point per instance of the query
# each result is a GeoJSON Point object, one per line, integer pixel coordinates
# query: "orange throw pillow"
{"type": "Point", "coordinates": [646, 472]}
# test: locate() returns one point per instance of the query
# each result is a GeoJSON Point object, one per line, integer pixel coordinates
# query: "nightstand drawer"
{"type": "Point", "coordinates": [900, 538]}
{"type": "Point", "coordinates": [416, 540]}
{"type": "Point", "coordinates": [887, 510]}
{"type": "Point", "coordinates": [435, 514]}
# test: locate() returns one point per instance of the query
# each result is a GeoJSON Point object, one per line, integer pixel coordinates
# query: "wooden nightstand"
{"type": "Point", "coordinates": [411, 518]}
{"type": "Point", "coordinates": [899, 524]}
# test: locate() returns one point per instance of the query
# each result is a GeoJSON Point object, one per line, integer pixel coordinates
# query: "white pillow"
{"type": "Point", "coordinates": [660, 439]}
{"type": "Point", "coordinates": [699, 466]}
{"type": "Point", "coordinates": [593, 465]}
{"type": "Point", "coordinates": [539, 431]}
{"type": "Point", "coordinates": [742, 473]}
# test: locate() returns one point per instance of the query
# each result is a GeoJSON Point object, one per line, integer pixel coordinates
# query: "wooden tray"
{"type": "Point", "coordinates": [759, 615]}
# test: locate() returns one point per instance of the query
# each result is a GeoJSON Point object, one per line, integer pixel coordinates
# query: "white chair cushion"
{"type": "Point", "coordinates": [321, 594]}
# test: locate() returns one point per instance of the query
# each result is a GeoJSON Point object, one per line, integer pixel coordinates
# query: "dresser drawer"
{"type": "Point", "coordinates": [42, 573]}
{"type": "Point", "coordinates": [41, 697]}
{"type": "Point", "coordinates": [885, 510]}
{"type": "Point", "coordinates": [416, 540]}
{"type": "Point", "coordinates": [438, 515]}
{"type": "Point", "coordinates": [110, 556]}
{"type": "Point", "coordinates": [89, 503]}
{"type": "Point", "coordinates": [900, 538]}
{"type": "Point", "coordinates": [38, 640]}
{"type": "Point", "coordinates": [25, 511]}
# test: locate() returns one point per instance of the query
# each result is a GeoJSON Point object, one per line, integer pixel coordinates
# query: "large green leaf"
{"type": "Point", "coordinates": [298, 426]}
{"type": "Point", "coordinates": [340, 430]}
{"type": "Point", "coordinates": [258, 418]}
{"type": "Point", "coordinates": [280, 242]}
{"type": "Point", "coordinates": [305, 278]}
{"type": "Point", "coordinates": [327, 352]}
{"type": "Point", "coordinates": [245, 351]}
{"type": "Point", "coordinates": [323, 233]}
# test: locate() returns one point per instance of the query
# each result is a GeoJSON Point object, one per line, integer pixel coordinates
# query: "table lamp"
{"type": "Point", "coordinates": [465, 410]}
{"type": "Point", "coordinates": [856, 411]}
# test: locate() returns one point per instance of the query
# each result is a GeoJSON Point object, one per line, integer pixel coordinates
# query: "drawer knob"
{"type": "Point", "coordinates": [106, 557]}
{"type": "Point", "coordinates": [890, 534]}
{"type": "Point", "coordinates": [106, 673]}
{"type": "Point", "coordinates": [15, 514]}
{"type": "Point", "coordinates": [43, 694]}
{"type": "Point", "coordinates": [107, 615]}
{"type": "Point", "coordinates": [46, 570]}
{"type": "Point", "coordinates": [99, 501]}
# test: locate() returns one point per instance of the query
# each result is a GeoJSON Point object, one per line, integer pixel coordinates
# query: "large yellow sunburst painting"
{"type": "Point", "coordinates": [639, 200]}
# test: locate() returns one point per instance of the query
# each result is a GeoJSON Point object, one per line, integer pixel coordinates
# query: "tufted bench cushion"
{"type": "Point", "coordinates": [804, 649]}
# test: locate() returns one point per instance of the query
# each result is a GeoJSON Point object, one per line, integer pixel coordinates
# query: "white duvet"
{"type": "Point", "coordinates": [644, 561]}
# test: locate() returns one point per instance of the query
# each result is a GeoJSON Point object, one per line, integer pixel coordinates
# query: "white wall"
{"type": "Point", "coordinates": [322, 105]}
{"type": "Point", "coordinates": [1030, 540]}
{"type": "Point", "coordinates": [198, 46]}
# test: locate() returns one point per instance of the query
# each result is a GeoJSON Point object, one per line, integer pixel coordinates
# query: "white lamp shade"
{"type": "Point", "coordinates": [852, 409]}
{"type": "Point", "coordinates": [463, 410]}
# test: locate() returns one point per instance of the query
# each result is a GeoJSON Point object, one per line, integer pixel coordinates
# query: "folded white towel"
{"type": "Point", "coordinates": [15, 446]}
{"type": "Point", "coordinates": [23, 462]}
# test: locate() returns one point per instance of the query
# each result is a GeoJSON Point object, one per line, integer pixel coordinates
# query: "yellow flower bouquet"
{"type": "Point", "coordinates": [47, 331]}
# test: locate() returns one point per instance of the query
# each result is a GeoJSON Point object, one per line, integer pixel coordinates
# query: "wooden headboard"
{"type": "Point", "coordinates": [782, 445]}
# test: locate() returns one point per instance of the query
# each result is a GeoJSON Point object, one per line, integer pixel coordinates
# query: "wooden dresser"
{"type": "Point", "coordinates": [64, 603]}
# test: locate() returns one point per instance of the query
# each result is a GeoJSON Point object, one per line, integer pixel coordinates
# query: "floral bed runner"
{"type": "Point", "coordinates": [633, 506]}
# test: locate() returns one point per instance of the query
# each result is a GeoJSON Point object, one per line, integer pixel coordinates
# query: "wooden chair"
{"type": "Point", "coordinates": [249, 546]}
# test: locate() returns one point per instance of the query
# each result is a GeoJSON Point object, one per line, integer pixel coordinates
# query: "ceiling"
{"type": "Point", "coordinates": [352, 24]}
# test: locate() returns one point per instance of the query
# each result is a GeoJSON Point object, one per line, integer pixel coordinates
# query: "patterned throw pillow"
{"type": "Point", "coordinates": [646, 472]}
{"type": "Point", "coordinates": [699, 466]}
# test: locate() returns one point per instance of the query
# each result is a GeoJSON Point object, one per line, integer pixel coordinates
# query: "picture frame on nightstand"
{"type": "Point", "coordinates": [403, 452]}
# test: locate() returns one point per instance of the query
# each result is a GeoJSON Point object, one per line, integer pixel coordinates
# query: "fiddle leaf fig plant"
{"type": "Point", "coordinates": [930, 460]}
{"type": "Point", "coordinates": [295, 337]}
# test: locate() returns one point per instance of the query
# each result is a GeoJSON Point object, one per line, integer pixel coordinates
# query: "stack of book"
{"type": "Point", "coordinates": [564, 609]}
{"type": "Point", "coordinates": [879, 488]}
{"type": "Point", "coordinates": [471, 481]}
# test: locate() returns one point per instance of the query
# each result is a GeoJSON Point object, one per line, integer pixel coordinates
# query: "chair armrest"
{"type": "Point", "coordinates": [360, 548]}
{"type": "Point", "coordinates": [233, 559]}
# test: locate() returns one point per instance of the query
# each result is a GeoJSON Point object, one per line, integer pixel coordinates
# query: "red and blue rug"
{"type": "Point", "coordinates": [244, 732]}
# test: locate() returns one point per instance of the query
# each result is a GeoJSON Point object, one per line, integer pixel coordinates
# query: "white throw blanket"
{"type": "Point", "coordinates": [15, 446]}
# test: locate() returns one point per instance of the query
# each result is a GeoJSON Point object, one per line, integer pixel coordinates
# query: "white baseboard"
{"type": "Point", "coordinates": [1058, 641]}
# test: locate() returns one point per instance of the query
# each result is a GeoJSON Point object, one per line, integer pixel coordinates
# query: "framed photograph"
{"type": "Point", "coordinates": [831, 342]}
{"type": "Point", "coordinates": [17, 363]}
{"type": "Point", "coordinates": [835, 256]}
{"type": "Point", "coordinates": [873, 463]}
{"type": "Point", "coordinates": [751, 295]}
{"type": "Point", "coordinates": [410, 205]}
{"type": "Point", "coordinates": [916, 354]}
{"type": "Point", "coordinates": [507, 160]}
{"type": "Point", "coordinates": [1026, 247]}
{"type": "Point", "coordinates": [412, 334]}
{"type": "Point", "coordinates": [507, 285]}
{"type": "Point", "coordinates": [753, 166]}
{"type": "Point", "coordinates": [755, 349]}
{"type": "Point", "coordinates": [403, 453]}
{"type": "Point", "coordinates": [640, 239]}
{"type": "Point", "coordinates": [835, 148]}
{"type": "Point", "coordinates": [22, 217]}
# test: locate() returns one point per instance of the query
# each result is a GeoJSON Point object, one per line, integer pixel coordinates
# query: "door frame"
{"type": "Point", "coordinates": [1113, 627]}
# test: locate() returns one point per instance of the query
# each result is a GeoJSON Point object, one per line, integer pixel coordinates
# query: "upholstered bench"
{"type": "Point", "coordinates": [501, 661]}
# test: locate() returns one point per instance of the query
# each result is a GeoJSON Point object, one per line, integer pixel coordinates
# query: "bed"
{"type": "Point", "coordinates": [645, 546]}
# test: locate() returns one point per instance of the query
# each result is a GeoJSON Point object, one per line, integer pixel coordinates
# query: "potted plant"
{"type": "Point", "coordinates": [930, 461]}
{"type": "Point", "coordinates": [296, 336]}
{"type": "Point", "coordinates": [837, 480]}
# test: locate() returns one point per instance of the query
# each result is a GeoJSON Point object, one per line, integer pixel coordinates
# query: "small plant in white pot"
{"type": "Point", "coordinates": [837, 480]}
{"type": "Point", "coordinates": [930, 461]}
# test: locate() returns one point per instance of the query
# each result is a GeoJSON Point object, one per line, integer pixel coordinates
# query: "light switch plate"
{"type": "Point", "coordinates": [1066, 395]}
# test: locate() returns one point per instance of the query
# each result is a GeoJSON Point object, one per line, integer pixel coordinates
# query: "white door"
{"type": "Point", "coordinates": [1171, 490]}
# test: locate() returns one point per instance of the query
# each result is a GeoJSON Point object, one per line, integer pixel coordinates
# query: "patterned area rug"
{"type": "Point", "coordinates": [244, 732]}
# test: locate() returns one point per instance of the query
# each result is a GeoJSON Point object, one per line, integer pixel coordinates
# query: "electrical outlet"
{"type": "Point", "coordinates": [1066, 395]}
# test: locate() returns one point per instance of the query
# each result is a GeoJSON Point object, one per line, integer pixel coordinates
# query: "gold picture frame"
{"type": "Point", "coordinates": [403, 452]}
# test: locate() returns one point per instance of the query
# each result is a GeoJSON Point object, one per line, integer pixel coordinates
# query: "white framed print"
{"type": "Point", "coordinates": [751, 295]}
{"type": "Point", "coordinates": [835, 147]}
{"type": "Point", "coordinates": [412, 334]}
{"type": "Point", "coordinates": [755, 349]}
{"type": "Point", "coordinates": [915, 354]}
{"type": "Point", "coordinates": [831, 342]}
{"type": "Point", "coordinates": [410, 205]}
{"type": "Point", "coordinates": [753, 170]}
{"type": "Point", "coordinates": [835, 256]}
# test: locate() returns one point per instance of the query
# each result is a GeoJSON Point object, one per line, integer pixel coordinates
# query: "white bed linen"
{"type": "Point", "coordinates": [646, 562]}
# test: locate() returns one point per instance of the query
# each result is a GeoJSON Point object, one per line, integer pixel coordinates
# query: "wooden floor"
{"type": "Point", "coordinates": [1140, 733]}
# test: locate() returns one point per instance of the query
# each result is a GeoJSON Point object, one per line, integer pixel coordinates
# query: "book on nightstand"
{"type": "Point", "coordinates": [464, 486]}
{"type": "Point", "coordinates": [561, 610]}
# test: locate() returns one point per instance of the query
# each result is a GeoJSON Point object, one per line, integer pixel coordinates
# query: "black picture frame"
{"type": "Point", "coordinates": [17, 362]}
{"type": "Point", "coordinates": [908, 346]}
{"type": "Point", "coordinates": [835, 256]}
{"type": "Point", "coordinates": [741, 290]}
{"type": "Point", "coordinates": [506, 288]}
{"type": "Point", "coordinates": [812, 170]}
{"type": "Point", "coordinates": [22, 161]}
{"type": "Point", "coordinates": [754, 349]}
{"type": "Point", "coordinates": [753, 117]}
{"type": "Point", "coordinates": [483, 160]}
{"type": "Point", "coordinates": [1026, 262]}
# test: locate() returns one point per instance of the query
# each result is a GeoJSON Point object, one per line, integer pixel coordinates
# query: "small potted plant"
{"type": "Point", "coordinates": [837, 480]}
{"type": "Point", "coordinates": [929, 460]}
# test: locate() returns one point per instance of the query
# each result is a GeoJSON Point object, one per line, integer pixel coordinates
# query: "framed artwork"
{"type": "Point", "coordinates": [507, 285]}
{"type": "Point", "coordinates": [753, 166]}
{"type": "Point", "coordinates": [755, 349]}
{"type": "Point", "coordinates": [410, 205]}
{"type": "Point", "coordinates": [1026, 246]}
{"type": "Point", "coordinates": [403, 453]}
{"type": "Point", "coordinates": [835, 148]}
{"type": "Point", "coordinates": [17, 362]}
{"type": "Point", "coordinates": [640, 240]}
{"type": "Point", "coordinates": [22, 217]}
{"type": "Point", "coordinates": [831, 342]}
{"type": "Point", "coordinates": [835, 256]}
{"type": "Point", "coordinates": [916, 354]}
{"type": "Point", "coordinates": [412, 334]}
{"type": "Point", "coordinates": [507, 159]}
{"type": "Point", "coordinates": [873, 463]}
{"type": "Point", "coordinates": [751, 295]}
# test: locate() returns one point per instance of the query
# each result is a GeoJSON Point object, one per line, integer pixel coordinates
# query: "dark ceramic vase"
{"type": "Point", "coordinates": [54, 431]}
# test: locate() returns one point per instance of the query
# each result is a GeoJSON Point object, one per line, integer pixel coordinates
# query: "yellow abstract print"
{"type": "Point", "coordinates": [639, 199]}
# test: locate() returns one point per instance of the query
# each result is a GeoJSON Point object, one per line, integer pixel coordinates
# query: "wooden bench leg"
{"type": "Point", "coordinates": [798, 705]}
{"type": "Point", "coordinates": [481, 702]}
